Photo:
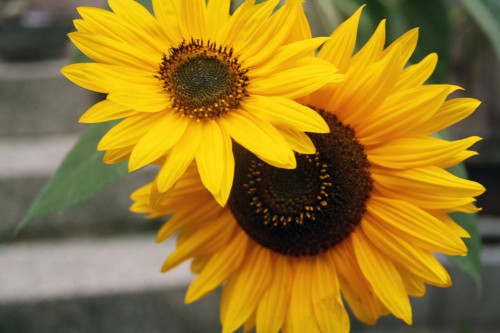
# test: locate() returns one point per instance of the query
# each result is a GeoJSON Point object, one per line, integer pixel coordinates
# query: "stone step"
{"type": "Point", "coordinates": [113, 284]}
{"type": "Point", "coordinates": [152, 311]}
{"type": "Point", "coordinates": [35, 99]}
{"type": "Point", "coordinates": [97, 285]}
{"type": "Point", "coordinates": [105, 214]}
{"type": "Point", "coordinates": [26, 166]}
{"type": "Point", "coordinates": [65, 268]}
{"type": "Point", "coordinates": [33, 157]}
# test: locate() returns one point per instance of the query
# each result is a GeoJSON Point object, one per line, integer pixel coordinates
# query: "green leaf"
{"type": "Point", "coordinates": [80, 176]}
{"type": "Point", "coordinates": [433, 20]}
{"type": "Point", "coordinates": [80, 57]}
{"type": "Point", "coordinates": [402, 15]}
{"type": "Point", "coordinates": [324, 16]}
{"type": "Point", "coordinates": [486, 13]}
{"type": "Point", "coordinates": [471, 263]}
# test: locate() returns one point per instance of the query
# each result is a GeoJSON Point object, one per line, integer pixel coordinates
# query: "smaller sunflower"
{"type": "Point", "coordinates": [357, 222]}
{"type": "Point", "coordinates": [192, 78]}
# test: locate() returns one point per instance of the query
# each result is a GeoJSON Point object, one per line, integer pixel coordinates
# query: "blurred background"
{"type": "Point", "coordinates": [95, 267]}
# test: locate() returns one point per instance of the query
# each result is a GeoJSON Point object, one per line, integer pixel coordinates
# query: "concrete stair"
{"type": "Point", "coordinates": [36, 100]}
{"type": "Point", "coordinates": [38, 126]}
{"type": "Point", "coordinates": [109, 284]}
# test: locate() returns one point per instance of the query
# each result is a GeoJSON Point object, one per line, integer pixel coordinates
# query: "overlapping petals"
{"type": "Point", "coordinates": [389, 256]}
{"type": "Point", "coordinates": [127, 45]}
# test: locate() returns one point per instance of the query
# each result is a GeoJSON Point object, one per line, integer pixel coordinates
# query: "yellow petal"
{"type": "Point", "coordinates": [179, 157]}
{"type": "Point", "coordinates": [450, 223]}
{"type": "Point", "coordinates": [114, 52]}
{"type": "Point", "coordinates": [158, 141]}
{"type": "Point", "coordinates": [414, 285]}
{"type": "Point", "coordinates": [128, 131]}
{"type": "Point", "coordinates": [228, 175]}
{"type": "Point", "coordinates": [167, 15]}
{"type": "Point", "coordinates": [193, 19]}
{"type": "Point", "coordinates": [415, 225]}
{"type": "Point", "coordinates": [153, 99]}
{"type": "Point", "coordinates": [415, 75]}
{"type": "Point", "coordinates": [244, 23]}
{"type": "Point", "coordinates": [402, 112]}
{"type": "Point", "coordinates": [291, 163]}
{"type": "Point", "coordinates": [106, 78]}
{"type": "Point", "coordinates": [77, 75]}
{"type": "Point", "coordinates": [364, 91]}
{"type": "Point", "coordinates": [301, 317]}
{"type": "Point", "coordinates": [105, 111]}
{"type": "Point", "coordinates": [419, 262]}
{"type": "Point", "coordinates": [205, 240]}
{"type": "Point", "coordinates": [338, 50]}
{"type": "Point", "coordinates": [198, 264]}
{"type": "Point", "coordinates": [249, 323]}
{"type": "Point", "coordinates": [270, 36]}
{"type": "Point", "coordinates": [286, 55]}
{"type": "Point", "coordinates": [141, 194]}
{"type": "Point", "coordinates": [250, 283]}
{"type": "Point", "coordinates": [301, 29]}
{"type": "Point", "coordinates": [189, 184]}
{"type": "Point", "coordinates": [218, 268]}
{"type": "Point", "coordinates": [273, 305]}
{"type": "Point", "coordinates": [135, 14]}
{"type": "Point", "coordinates": [299, 141]}
{"type": "Point", "coordinates": [258, 136]}
{"type": "Point", "coordinates": [407, 43]}
{"type": "Point", "coordinates": [100, 22]}
{"type": "Point", "coordinates": [356, 290]}
{"type": "Point", "coordinates": [427, 200]}
{"type": "Point", "coordinates": [117, 155]}
{"type": "Point", "coordinates": [303, 78]}
{"type": "Point", "coordinates": [210, 156]}
{"type": "Point", "coordinates": [383, 276]}
{"type": "Point", "coordinates": [372, 51]}
{"type": "Point", "coordinates": [327, 303]}
{"type": "Point", "coordinates": [285, 112]}
{"type": "Point", "coordinates": [427, 181]}
{"type": "Point", "coordinates": [217, 16]}
{"type": "Point", "coordinates": [451, 112]}
{"type": "Point", "coordinates": [185, 220]}
{"type": "Point", "coordinates": [421, 151]}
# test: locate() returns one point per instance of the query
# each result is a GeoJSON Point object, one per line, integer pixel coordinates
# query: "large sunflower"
{"type": "Point", "coordinates": [356, 222]}
{"type": "Point", "coordinates": [192, 78]}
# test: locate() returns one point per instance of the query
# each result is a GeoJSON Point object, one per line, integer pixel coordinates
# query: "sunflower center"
{"type": "Point", "coordinates": [203, 80]}
{"type": "Point", "coordinates": [308, 210]}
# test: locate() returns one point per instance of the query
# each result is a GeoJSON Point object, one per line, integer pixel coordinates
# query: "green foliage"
{"type": "Point", "coordinates": [486, 14]}
{"type": "Point", "coordinates": [471, 263]}
{"type": "Point", "coordinates": [81, 175]}
{"type": "Point", "coordinates": [431, 17]}
{"type": "Point", "coordinates": [80, 57]}
{"type": "Point", "coordinates": [434, 31]}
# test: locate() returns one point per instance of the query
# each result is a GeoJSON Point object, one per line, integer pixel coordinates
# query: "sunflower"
{"type": "Point", "coordinates": [357, 222]}
{"type": "Point", "coordinates": [188, 80]}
